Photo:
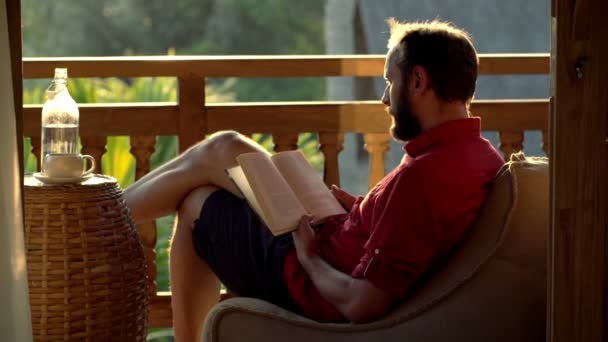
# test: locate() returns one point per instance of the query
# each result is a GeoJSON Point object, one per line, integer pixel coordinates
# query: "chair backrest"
{"type": "Point", "coordinates": [512, 225]}
{"type": "Point", "coordinates": [527, 239]}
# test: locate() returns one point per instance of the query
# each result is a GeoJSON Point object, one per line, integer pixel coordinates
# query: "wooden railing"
{"type": "Point", "coordinates": [191, 118]}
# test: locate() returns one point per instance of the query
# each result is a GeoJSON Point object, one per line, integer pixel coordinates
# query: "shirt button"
{"type": "Point", "coordinates": [376, 251]}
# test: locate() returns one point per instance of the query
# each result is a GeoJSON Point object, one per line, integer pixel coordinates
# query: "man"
{"type": "Point", "coordinates": [355, 267]}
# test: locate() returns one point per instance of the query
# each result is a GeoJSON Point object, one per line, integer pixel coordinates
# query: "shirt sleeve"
{"type": "Point", "coordinates": [404, 237]}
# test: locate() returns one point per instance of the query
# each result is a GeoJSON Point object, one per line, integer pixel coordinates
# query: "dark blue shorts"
{"type": "Point", "coordinates": [240, 249]}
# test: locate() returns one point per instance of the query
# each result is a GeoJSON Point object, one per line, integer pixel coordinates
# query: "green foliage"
{"type": "Point", "coordinates": [254, 27]}
{"type": "Point", "coordinates": [279, 89]}
{"type": "Point", "coordinates": [112, 27]}
{"type": "Point", "coordinates": [200, 27]}
{"type": "Point", "coordinates": [266, 28]}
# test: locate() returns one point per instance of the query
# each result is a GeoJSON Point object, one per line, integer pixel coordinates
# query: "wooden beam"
{"type": "Point", "coordinates": [298, 117]}
{"type": "Point", "coordinates": [209, 66]}
{"type": "Point", "coordinates": [114, 119]}
{"type": "Point", "coordinates": [579, 170]}
{"type": "Point", "coordinates": [361, 116]}
{"type": "Point", "coordinates": [514, 64]}
{"type": "Point", "coordinates": [278, 117]}
{"type": "Point", "coordinates": [259, 66]}
{"type": "Point", "coordinates": [512, 115]}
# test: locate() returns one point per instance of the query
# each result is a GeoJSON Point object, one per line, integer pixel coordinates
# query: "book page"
{"type": "Point", "coordinates": [240, 180]}
{"type": "Point", "coordinates": [308, 186]}
{"type": "Point", "coordinates": [281, 208]}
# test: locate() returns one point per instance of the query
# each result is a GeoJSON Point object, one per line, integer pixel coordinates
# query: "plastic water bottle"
{"type": "Point", "coordinates": [59, 118]}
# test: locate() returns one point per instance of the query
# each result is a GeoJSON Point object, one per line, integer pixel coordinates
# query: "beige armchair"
{"type": "Point", "coordinates": [493, 288]}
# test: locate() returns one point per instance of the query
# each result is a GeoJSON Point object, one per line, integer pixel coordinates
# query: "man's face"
{"type": "Point", "coordinates": [406, 125]}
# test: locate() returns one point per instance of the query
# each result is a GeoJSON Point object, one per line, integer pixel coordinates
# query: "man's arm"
{"type": "Point", "coordinates": [357, 299]}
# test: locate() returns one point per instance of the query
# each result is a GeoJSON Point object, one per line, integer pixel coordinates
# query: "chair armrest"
{"type": "Point", "coordinates": [254, 319]}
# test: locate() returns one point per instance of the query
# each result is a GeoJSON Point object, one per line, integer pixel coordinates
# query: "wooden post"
{"type": "Point", "coordinates": [578, 248]}
{"type": "Point", "coordinates": [545, 144]}
{"type": "Point", "coordinates": [15, 321]}
{"type": "Point", "coordinates": [191, 108]}
{"type": "Point", "coordinates": [13, 10]}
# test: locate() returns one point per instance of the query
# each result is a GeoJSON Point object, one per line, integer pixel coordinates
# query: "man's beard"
{"type": "Point", "coordinates": [405, 124]}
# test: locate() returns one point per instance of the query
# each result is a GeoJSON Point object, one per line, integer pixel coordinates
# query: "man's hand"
{"type": "Point", "coordinates": [304, 240]}
{"type": "Point", "coordinates": [346, 200]}
{"type": "Point", "coordinates": [358, 300]}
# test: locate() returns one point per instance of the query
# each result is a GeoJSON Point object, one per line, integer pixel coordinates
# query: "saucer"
{"type": "Point", "coordinates": [61, 180]}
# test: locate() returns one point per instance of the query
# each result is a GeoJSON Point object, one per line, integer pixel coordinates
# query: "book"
{"type": "Point", "coordinates": [282, 188]}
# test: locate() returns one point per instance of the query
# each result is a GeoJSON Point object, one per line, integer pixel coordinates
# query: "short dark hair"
{"type": "Point", "coordinates": [443, 50]}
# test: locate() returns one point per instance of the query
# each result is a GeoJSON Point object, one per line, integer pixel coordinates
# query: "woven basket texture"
{"type": "Point", "coordinates": [86, 266]}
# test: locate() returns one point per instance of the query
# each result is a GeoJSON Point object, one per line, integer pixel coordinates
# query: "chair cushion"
{"type": "Point", "coordinates": [526, 243]}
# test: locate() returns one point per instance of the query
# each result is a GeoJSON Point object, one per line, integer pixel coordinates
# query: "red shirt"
{"type": "Point", "coordinates": [409, 220]}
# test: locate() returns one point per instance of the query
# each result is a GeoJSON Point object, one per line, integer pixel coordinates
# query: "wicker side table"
{"type": "Point", "coordinates": [86, 266]}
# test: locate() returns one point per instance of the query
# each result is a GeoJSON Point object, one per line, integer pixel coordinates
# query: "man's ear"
{"type": "Point", "coordinates": [420, 80]}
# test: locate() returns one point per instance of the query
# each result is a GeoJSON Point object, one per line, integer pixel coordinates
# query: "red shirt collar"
{"type": "Point", "coordinates": [444, 134]}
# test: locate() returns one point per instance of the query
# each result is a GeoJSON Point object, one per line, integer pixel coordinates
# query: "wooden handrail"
{"type": "Point", "coordinates": [114, 119]}
{"type": "Point", "coordinates": [280, 117]}
{"type": "Point", "coordinates": [259, 66]}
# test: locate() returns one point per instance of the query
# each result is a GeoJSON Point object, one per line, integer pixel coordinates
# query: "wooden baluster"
{"type": "Point", "coordinates": [546, 146]}
{"type": "Point", "coordinates": [331, 144]}
{"type": "Point", "coordinates": [142, 148]}
{"type": "Point", "coordinates": [36, 150]}
{"type": "Point", "coordinates": [96, 147]}
{"type": "Point", "coordinates": [285, 141]}
{"type": "Point", "coordinates": [511, 142]}
{"type": "Point", "coordinates": [376, 144]}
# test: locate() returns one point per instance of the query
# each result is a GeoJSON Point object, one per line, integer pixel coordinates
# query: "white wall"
{"type": "Point", "coordinates": [15, 324]}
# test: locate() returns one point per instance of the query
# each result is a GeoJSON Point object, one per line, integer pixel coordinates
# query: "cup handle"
{"type": "Point", "coordinates": [92, 168]}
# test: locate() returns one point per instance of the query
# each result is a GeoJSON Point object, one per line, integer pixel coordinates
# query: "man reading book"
{"type": "Point", "coordinates": [353, 267]}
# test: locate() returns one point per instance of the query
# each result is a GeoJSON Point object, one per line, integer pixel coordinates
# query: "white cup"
{"type": "Point", "coordinates": [67, 165]}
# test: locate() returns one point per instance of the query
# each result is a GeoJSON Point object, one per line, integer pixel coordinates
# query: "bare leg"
{"type": "Point", "coordinates": [194, 287]}
{"type": "Point", "coordinates": [183, 184]}
{"type": "Point", "coordinates": [161, 191]}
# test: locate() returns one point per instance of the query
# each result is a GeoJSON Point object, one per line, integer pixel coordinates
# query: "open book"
{"type": "Point", "coordinates": [282, 188]}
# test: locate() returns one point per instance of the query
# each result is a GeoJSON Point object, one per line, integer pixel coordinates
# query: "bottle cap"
{"type": "Point", "coordinates": [59, 82]}
{"type": "Point", "coordinates": [61, 73]}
